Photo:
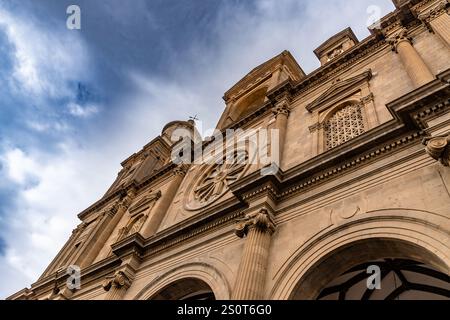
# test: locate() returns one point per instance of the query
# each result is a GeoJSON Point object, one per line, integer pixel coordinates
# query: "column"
{"type": "Point", "coordinates": [117, 286]}
{"type": "Point", "coordinates": [160, 210]}
{"type": "Point", "coordinates": [258, 229]}
{"type": "Point", "coordinates": [438, 20]}
{"type": "Point", "coordinates": [281, 112]}
{"type": "Point", "coordinates": [104, 229]}
{"type": "Point", "coordinates": [416, 68]}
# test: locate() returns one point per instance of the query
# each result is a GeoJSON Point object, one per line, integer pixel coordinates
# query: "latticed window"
{"type": "Point", "coordinates": [345, 124]}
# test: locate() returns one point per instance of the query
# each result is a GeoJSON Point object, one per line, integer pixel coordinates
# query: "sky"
{"type": "Point", "coordinates": [75, 103]}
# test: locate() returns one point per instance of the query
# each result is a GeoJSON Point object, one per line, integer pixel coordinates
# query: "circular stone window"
{"type": "Point", "coordinates": [215, 180]}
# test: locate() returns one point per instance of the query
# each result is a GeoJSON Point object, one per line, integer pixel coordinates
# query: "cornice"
{"type": "Point", "coordinates": [336, 66]}
{"type": "Point", "coordinates": [262, 72]}
{"type": "Point", "coordinates": [219, 221]}
{"type": "Point", "coordinates": [338, 87]}
{"type": "Point", "coordinates": [348, 32]}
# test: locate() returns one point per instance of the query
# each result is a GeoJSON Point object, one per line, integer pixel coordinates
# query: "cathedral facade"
{"type": "Point", "coordinates": [361, 183]}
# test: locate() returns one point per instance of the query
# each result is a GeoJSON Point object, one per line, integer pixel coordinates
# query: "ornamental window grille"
{"type": "Point", "coordinates": [344, 125]}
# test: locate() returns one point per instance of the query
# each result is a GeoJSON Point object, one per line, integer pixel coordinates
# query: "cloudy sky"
{"type": "Point", "coordinates": [75, 103]}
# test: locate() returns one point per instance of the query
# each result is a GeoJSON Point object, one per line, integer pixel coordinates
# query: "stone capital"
{"type": "Point", "coordinates": [126, 201]}
{"type": "Point", "coordinates": [180, 171]}
{"type": "Point", "coordinates": [399, 37]}
{"type": "Point", "coordinates": [367, 99]}
{"type": "Point", "coordinates": [261, 220]}
{"type": "Point", "coordinates": [439, 149]}
{"type": "Point", "coordinates": [314, 127]}
{"type": "Point", "coordinates": [281, 109]}
{"type": "Point", "coordinates": [431, 10]}
{"type": "Point", "coordinates": [119, 280]}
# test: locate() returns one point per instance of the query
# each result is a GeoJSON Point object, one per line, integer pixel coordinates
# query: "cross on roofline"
{"type": "Point", "coordinates": [194, 118]}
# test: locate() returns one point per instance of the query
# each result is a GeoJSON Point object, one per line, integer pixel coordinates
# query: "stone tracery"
{"type": "Point", "coordinates": [345, 124]}
{"type": "Point", "coordinates": [216, 181]}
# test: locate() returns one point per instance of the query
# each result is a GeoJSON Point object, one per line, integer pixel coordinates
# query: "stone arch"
{"type": "Point", "coordinates": [325, 116]}
{"type": "Point", "coordinates": [248, 104]}
{"type": "Point", "coordinates": [202, 272]}
{"type": "Point", "coordinates": [400, 232]}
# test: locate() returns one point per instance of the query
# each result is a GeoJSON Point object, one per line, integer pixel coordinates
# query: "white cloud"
{"type": "Point", "coordinates": [43, 61]}
{"type": "Point", "coordinates": [18, 166]}
{"type": "Point", "coordinates": [45, 211]}
{"type": "Point", "coordinates": [82, 111]}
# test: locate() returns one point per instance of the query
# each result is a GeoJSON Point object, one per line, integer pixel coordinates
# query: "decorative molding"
{"type": "Point", "coordinates": [133, 226]}
{"type": "Point", "coordinates": [172, 241]}
{"type": "Point", "coordinates": [342, 63]}
{"type": "Point", "coordinates": [144, 203]}
{"type": "Point", "coordinates": [266, 189]}
{"type": "Point", "coordinates": [338, 88]}
{"type": "Point", "coordinates": [430, 111]}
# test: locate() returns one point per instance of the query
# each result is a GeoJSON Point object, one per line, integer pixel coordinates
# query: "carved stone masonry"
{"type": "Point", "coordinates": [281, 109]}
{"type": "Point", "coordinates": [440, 8]}
{"type": "Point", "coordinates": [119, 281]}
{"type": "Point", "coordinates": [399, 37]}
{"type": "Point", "coordinates": [439, 149]}
{"type": "Point", "coordinates": [261, 220]}
{"type": "Point", "coordinates": [180, 171]}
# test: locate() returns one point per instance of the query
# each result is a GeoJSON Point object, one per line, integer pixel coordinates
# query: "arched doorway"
{"type": "Point", "coordinates": [407, 272]}
{"type": "Point", "coordinates": [189, 289]}
{"type": "Point", "coordinates": [399, 279]}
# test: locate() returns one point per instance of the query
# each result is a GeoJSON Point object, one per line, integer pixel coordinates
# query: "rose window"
{"type": "Point", "coordinates": [216, 181]}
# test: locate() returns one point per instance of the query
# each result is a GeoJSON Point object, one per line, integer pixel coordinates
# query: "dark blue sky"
{"type": "Point", "coordinates": [75, 103]}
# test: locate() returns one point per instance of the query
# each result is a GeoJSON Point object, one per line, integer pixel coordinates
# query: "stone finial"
{"type": "Point", "coordinates": [439, 149]}
{"type": "Point", "coordinates": [261, 220]}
